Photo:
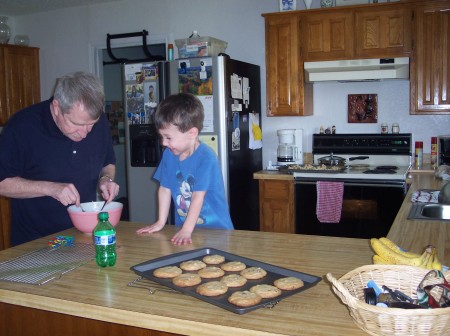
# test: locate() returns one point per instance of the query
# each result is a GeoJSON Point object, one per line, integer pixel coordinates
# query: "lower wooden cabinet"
{"type": "Point", "coordinates": [5, 223]}
{"type": "Point", "coordinates": [276, 206]}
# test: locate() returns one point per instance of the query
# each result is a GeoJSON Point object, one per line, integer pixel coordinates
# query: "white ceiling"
{"type": "Point", "coordinates": [22, 7]}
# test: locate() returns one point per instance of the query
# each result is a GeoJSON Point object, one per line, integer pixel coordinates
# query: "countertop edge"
{"type": "Point", "coordinates": [125, 317]}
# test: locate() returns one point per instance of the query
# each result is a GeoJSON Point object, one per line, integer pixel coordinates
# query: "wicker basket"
{"type": "Point", "coordinates": [390, 321]}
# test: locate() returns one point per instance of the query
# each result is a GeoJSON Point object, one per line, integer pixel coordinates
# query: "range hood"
{"type": "Point", "coordinates": [357, 70]}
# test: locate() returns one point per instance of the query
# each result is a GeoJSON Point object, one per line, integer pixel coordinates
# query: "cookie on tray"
{"type": "Point", "coordinates": [210, 272]}
{"type": "Point", "coordinates": [192, 265]}
{"type": "Point", "coordinates": [244, 299]}
{"type": "Point", "coordinates": [289, 283]}
{"type": "Point", "coordinates": [234, 280]}
{"type": "Point", "coordinates": [212, 288]}
{"type": "Point", "coordinates": [167, 272]}
{"type": "Point", "coordinates": [254, 273]}
{"type": "Point", "coordinates": [266, 291]}
{"type": "Point", "coordinates": [214, 259]}
{"type": "Point", "coordinates": [187, 280]}
{"type": "Point", "coordinates": [233, 266]}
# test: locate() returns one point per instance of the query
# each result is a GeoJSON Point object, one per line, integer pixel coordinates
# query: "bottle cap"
{"type": "Point", "coordinates": [103, 216]}
{"type": "Point", "coordinates": [434, 140]}
{"type": "Point", "coordinates": [419, 144]}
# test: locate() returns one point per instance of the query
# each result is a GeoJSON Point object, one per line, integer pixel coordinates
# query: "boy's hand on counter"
{"type": "Point", "coordinates": [151, 228]}
{"type": "Point", "coordinates": [182, 237]}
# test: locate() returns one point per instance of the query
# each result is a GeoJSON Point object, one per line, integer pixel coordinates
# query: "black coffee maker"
{"type": "Point", "coordinates": [443, 150]}
{"type": "Point", "coordinates": [145, 148]}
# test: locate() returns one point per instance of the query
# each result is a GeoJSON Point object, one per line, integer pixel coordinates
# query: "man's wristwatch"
{"type": "Point", "coordinates": [105, 177]}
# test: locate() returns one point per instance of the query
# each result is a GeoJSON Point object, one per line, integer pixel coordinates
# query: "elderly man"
{"type": "Point", "coordinates": [56, 153]}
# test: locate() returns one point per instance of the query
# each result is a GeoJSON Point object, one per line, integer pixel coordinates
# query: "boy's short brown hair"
{"type": "Point", "coordinates": [183, 110]}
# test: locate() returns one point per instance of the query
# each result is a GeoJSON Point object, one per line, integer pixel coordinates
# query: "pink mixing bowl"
{"type": "Point", "coordinates": [86, 220]}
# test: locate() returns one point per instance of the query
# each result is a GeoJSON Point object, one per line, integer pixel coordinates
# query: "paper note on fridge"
{"type": "Point", "coordinates": [236, 86]}
{"type": "Point", "coordinates": [255, 138]}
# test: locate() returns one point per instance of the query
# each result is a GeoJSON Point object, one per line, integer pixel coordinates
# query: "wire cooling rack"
{"type": "Point", "coordinates": [41, 266]}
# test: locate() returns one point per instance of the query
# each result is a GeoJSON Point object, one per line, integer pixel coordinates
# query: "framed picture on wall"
{"type": "Point", "coordinates": [288, 5]}
{"type": "Point", "coordinates": [362, 108]}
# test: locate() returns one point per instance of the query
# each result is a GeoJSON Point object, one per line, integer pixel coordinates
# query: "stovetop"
{"type": "Point", "coordinates": [390, 150]}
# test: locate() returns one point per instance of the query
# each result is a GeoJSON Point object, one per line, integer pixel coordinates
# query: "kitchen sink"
{"type": "Point", "coordinates": [428, 211]}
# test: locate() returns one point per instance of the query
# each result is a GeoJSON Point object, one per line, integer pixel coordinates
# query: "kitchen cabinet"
{"type": "Point", "coordinates": [363, 32]}
{"type": "Point", "coordinates": [276, 205]}
{"type": "Point", "coordinates": [328, 36]}
{"type": "Point", "coordinates": [19, 79]}
{"type": "Point", "coordinates": [5, 223]}
{"type": "Point", "coordinates": [430, 65]}
{"type": "Point", "coordinates": [19, 88]}
{"type": "Point", "coordinates": [286, 92]}
{"type": "Point", "coordinates": [383, 32]}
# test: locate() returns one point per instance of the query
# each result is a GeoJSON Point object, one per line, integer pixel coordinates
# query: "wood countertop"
{"type": "Point", "coordinates": [272, 175]}
{"type": "Point", "coordinates": [102, 294]}
{"type": "Point", "coordinates": [414, 235]}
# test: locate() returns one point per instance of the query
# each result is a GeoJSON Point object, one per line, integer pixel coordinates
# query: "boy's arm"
{"type": "Point", "coordinates": [184, 235]}
{"type": "Point", "coordinates": [164, 198]}
{"type": "Point", "coordinates": [163, 212]}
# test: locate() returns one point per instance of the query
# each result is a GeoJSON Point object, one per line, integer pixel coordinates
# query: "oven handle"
{"type": "Point", "coordinates": [359, 184]}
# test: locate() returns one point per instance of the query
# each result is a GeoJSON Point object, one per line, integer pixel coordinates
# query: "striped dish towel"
{"type": "Point", "coordinates": [329, 201]}
{"type": "Point", "coordinates": [425, 196]}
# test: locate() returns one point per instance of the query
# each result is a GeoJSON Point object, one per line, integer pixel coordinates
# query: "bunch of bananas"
{"type": "Point", "coordinates": [387, 252]}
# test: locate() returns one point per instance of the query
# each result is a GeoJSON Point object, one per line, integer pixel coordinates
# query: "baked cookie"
{"type": "Point", "coordinates": [192, 265]}
{"type": "Point", "coordinates": [212, 288]}
{"type": "Point", "coordinates": [211, 272]}
{"type": "Point", "coordinates": [244, 299]}
{"type": "Point", "coordinates": [167, 272]}
{"type": "Point", "coordinates": [266, 291]}
{"type": "Point", "coordinates": [288, 283]}
{"type": "Point", "coordinates": [233, 266]}
{"type": "Point", "coordinates": [234, 280]}
{"type": "Point", "coordinates": [253, 273]}
{"type": "Point", "coordinates": [214, 259]}
{"type": "Point", "coordinates": [187, 280]}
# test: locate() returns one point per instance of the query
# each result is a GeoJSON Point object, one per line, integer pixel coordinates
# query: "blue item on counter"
{"type": "Point", "coordinates": [372, 284]}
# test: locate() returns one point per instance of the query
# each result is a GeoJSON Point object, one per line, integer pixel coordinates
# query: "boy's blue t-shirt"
{"type": "Point", "coordinates": [198, 172]}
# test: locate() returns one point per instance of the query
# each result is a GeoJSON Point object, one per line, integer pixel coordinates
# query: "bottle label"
{"type": "Point", "coordinates": [105, 240]}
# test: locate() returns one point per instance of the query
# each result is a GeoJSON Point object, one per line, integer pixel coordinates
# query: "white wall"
{"type": "Point", "coordinates": [68, 40]}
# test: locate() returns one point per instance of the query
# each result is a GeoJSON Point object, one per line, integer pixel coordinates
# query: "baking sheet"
{"type": "Point", "coordinates": [146, 269]}
{"type": "Point", "coordinates": [291, 169]}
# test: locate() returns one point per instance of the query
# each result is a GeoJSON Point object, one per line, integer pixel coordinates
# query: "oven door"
{"type": "Point", "coordinates": [368, 209]}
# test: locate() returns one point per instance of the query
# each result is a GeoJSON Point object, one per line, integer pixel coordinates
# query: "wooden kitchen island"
{"type": "Point", "coordinates": [94, 301]}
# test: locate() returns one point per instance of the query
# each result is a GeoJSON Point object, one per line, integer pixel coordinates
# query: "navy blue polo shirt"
{"type": "Point", "coordinates": [34, 148]}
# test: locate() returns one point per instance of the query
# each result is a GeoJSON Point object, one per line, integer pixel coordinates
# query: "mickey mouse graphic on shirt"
{"type": "Point", "coordinates": [183, 199]}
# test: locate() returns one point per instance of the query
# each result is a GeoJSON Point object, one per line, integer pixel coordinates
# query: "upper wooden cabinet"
{"type": "Point", "coordinates": [286, 93]}
{"type": "Point", "coordinates": [19, 79]}
{"type": "Point", "coordinates": [430, 60]}
{"type": "Point", "coordinates": [327, 36]}
{"type": "Point", "coordinates": [383, 32]}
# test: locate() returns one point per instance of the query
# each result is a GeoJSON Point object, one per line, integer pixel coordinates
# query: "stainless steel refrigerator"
{"type": "Point", "coordinates": [230, 93]}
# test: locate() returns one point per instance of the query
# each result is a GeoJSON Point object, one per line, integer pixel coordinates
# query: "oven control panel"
{"type": "Point", "coordinates": [389, 144]}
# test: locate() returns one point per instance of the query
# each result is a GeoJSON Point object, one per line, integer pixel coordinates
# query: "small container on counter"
{"type": "Point", "coordinates": [170, 52]}
{"type": "Point", "coordinates": [433, 156]}
{"type": "Point", "coordinates": [384, 128]}
{"type": "Point", "coordinates": [395, 128]}
{"type": "Point", "coordinates": [418, 157]}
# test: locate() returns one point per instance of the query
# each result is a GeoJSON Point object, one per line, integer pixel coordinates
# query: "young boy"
{"type": "Point", "coordinates": [189, 171]}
